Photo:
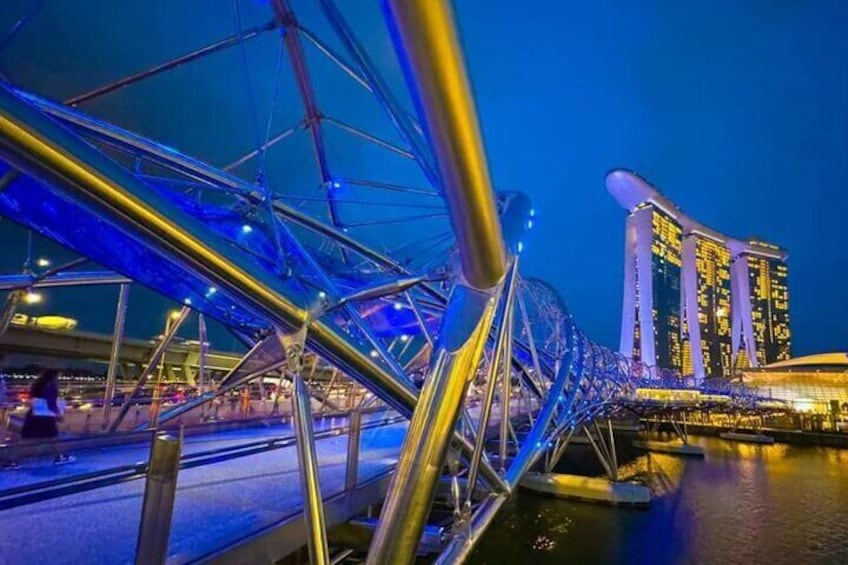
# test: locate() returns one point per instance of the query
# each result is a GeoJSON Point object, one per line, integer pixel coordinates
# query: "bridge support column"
{"type": "Point", "coordinates": [681, 447]}
{"type": "Point", "coordinates": [354, 436]}
{"type": "Point", "coordinates": [203, 348]}
{"type": "Point", "coordinates": [158, 506]}
{"type": "Point", "coordinates": [427, 45]}
{"type": "Point", "coordinates": [464, 333]}
{"type": "Point", "coordinates": [680, 428]}
{"type": "Point", "coordinates": [605, 452]}
{"type": "Point", "coordinates": [114, 356]}
{"type": "Point", "coordinates": [494, 367]}
{"type": "Point", "coordinates": [307, 458]}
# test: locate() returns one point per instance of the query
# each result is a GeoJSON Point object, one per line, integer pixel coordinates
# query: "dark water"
{"type": "Point", "coordinates": [741, 504]}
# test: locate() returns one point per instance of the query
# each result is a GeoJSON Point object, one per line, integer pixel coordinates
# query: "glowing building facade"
{"type": "Point", "coordinates": [695, 300]}
{"type": "Point", "coordinates": [707, 305]}
{"type": "Point", "coordinates": [653, 271]}
{"type": "Point", "coordinates": [761, 323]}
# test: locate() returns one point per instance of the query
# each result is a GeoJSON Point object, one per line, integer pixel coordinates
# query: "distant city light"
{"type": "Point", "coordinates": [532, 212]}
{"type": "Point", "coordinates": [404, 338]}
{"type": "Point", "coordinates": [529, 224]}
{"type": "Point", "coordinates": [721, 312]}
{"type": "Point", "coordinates": [398, 306]}
{"type": "Point", "coordinates": [322, 295]}
{"type": "Point", "coordinates": [246, 228]}
{"type": "Point", "coordinates": [374, 354]}
{"type": "Point", "coordinates": [43, 262]}
{"type": "Point", "coordinates": [337, 184]}
{"type": "Point", "coordinates": [33, 297]}
{"type": "Point", "coordinates": [212, 290]}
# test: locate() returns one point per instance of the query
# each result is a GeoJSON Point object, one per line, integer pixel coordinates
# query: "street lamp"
{"type": "Point", "coordinates": [32, 297]}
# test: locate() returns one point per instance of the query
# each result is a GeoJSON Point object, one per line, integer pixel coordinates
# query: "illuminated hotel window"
{"type": "Point", "coordinates": [665, 270]}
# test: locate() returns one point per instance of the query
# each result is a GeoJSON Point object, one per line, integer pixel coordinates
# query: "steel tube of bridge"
{"type": "Point", "coordinates": [196, 169]}
{"type": "Point", "coordinates": [202, 350]}
{"type": "Point", "coordinates": [461, 545]}
{"type": "Point", "coordinates": [117, 336]}
{"type": "Point", "coordinates": [533, 445]}
{"type": "Point", "coordinates": [42, 148]}
{"type": "Point", "coordinates": [170, 64]}
{"type": "Point", "coordinates": [11, 282]}
{"type": "Point", "coordinates": [307, 459]}
{"type": "Point", "coordinates": [155, 359]}
{"type": "Point", "coordinates": [488, 401]}
{"type": "Point", "coordinates": [427, 44]}
{"type": "Point", "coordinates": [465, 330]}
{"type": "Point", "coordinates": [401, 121]}
{"type": "Point", "coordinates": [354, 438]}
{"type": "Point", "coordinates": [39, 146]}
{"type": "Point", "coordinates": [506, 390]}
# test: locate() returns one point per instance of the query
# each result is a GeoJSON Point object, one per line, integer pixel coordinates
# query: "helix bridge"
{"type": "Point", "coordinates": [328, 201]}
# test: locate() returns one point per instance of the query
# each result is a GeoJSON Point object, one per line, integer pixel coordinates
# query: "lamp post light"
{"type": "Point", "coordinates": [31, 297]}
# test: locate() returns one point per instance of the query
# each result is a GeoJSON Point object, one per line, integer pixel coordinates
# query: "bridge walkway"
{"type": "Point", "coordinates": [216, 504]}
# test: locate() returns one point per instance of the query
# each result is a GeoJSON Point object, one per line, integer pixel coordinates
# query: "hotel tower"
{"type": "Point", "coordinates": [695, 300]}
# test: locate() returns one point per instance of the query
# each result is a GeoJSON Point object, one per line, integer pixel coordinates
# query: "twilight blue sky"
{"type": "Point", "coordinates": [736, 109]}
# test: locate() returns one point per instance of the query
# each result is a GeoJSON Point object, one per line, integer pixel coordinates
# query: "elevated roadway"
{"type": "Point", "coordinates": [181, 358]}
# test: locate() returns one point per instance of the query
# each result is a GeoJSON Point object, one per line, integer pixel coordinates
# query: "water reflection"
{"type": "Point", "coordinates": [743, 503]}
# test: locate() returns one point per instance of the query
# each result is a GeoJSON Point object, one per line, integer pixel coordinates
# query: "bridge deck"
{"type": "Point", "coordinates": [216, 504]}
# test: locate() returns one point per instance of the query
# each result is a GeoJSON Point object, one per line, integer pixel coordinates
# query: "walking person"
{"type": "Point", "coordinates": [41, 419]}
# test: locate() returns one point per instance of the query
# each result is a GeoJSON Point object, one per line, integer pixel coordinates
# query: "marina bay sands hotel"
{"type": "Point", "coordinates": [696, 300]}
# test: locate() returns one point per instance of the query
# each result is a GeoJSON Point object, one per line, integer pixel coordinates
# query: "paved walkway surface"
{"type": "Point", "coordinates": [215, 505]}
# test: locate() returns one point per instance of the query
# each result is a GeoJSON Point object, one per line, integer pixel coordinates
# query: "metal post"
{"type": "Point", "coordinates": [152, 365]}
{"type": "Point", "coordinates": [117, 336]}
{"type": "Point", "coordinates": [329, 390]}
{"type": "Point", "coordinates": [612, 445]}
{"type": "Point", "coordinates": [313, 504]}
{"type": "Point", "coordinates": [158, 507]}
{"type": "Point", "coordinates": [9, 310]}
{"type": "Point", "coordinates": [560, 450]}
{"type": "Point", "coordinates": [420, 318]}
{"type": "Point", "coordinates": [534, 354]}
{"type": "Point", "coordinates": [202, 352]}
{"type": "Point", "coordinates": [465, 329]}
{"type": "Point", "coordinates": [506, 390]}
{"type": "Point", "coordinates": [486, 408]}
{"type": "Point", "coordinates": [354, 435]}
{"type": "Point", "coordinates": [599, 454]}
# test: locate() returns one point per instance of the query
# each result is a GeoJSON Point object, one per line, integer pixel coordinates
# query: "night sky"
{"type": "Point", "coordinates": [736, 110]}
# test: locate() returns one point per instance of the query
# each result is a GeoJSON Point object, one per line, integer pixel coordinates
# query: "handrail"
{"type": "Point", "coordinates": [56, 488]}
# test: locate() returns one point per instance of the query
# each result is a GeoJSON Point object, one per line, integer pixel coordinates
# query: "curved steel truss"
{"type": "Point", "coordinates": [411, 290]}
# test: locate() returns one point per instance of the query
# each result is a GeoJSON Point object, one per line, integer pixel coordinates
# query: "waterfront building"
{"type": "Point", "coordinates": [761, 333]}
{"type": "Point", "coordinates": [707, 304]}
{"type": "Point", "coordinates": [696, 300]}
{"type": "Point", "coordinates": [816, 384]}
{"type": "Point", "coordinates": [652, 272]}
